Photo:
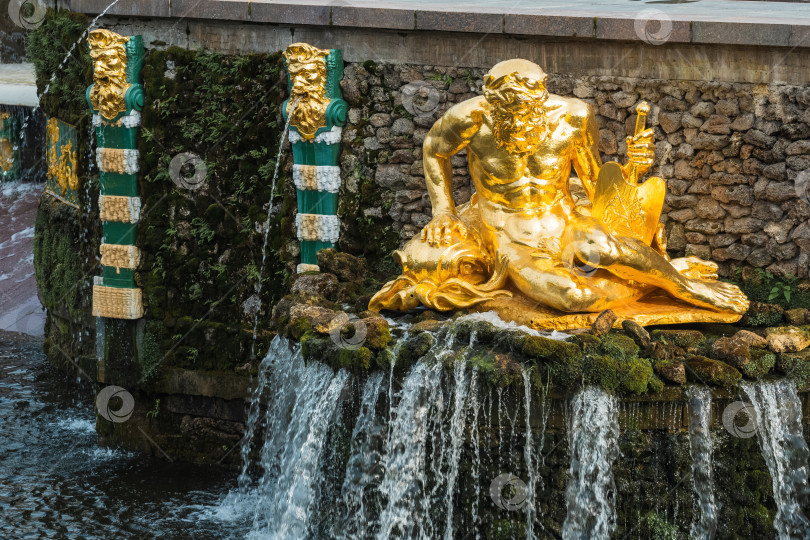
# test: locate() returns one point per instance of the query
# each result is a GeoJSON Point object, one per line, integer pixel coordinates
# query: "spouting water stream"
{"type": "Point", "coordinates": [700, 449]}
{"type": "Point", "coordinates": [291, 457]}
{"type": "Point", "coordinates": [780, 434]}
{"type": "Point", "coordinates": [293, 105]}
{"type": "Point", "coordinates": [593, 433]}
{"type": "Point", "coordinates": [66, 58]}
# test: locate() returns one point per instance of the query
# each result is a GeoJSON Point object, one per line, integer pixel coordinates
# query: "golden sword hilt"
{"type": "Point", "coordinates": [642, 109]}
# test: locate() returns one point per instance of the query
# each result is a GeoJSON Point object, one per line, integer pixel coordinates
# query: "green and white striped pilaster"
{"type": "Point", "coordinates": [114, 293]}
{"type": "Point", "coordinates": [316, 172]}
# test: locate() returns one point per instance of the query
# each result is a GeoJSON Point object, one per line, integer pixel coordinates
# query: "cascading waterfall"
{"type": "Point", "coordinates": [593, 433]}
{"type": "Point", "coordinates": [253, 414]}
{"type": "Point", "coordinates": [780, 434]}
{"type": "Point", "coordinates": [405, 476]}
{"type": "Point", "coordinates": [364, 468]}
{"type": "Point", "coordinates": [700, 449]}
{"type": "Point", "coordinates": [303, 403]}
{"type": "Point", "coordinates": [403, 482]}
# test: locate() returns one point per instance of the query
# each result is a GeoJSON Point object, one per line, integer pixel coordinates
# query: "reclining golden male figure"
{"type": "Point", "coordinates": [523, 233]}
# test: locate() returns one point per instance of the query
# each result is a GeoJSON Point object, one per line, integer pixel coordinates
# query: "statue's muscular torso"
{"type": "Point", "coordinates": [538, 179]}
{"type": "Point", "coordinates": [526, 197]}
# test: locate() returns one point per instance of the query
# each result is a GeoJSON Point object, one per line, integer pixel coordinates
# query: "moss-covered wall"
{"type": "Point", "coordinates": [66, 239]}
{"type": "Point", "coordinates": [202, 248]}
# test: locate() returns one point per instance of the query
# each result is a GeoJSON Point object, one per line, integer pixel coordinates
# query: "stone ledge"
{"type": "Point", "coordinates": [212, 384]}
{"type": "Point", "coordinates": [731, 23]}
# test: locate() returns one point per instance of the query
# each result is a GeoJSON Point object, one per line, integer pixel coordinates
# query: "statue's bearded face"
{"type": "Point", "coordinates": [308, 100]}
{"type": "Point", "coordinates": [108, 52]}
{"type": "Point", "coordinates": [518, 118]}
{"type": "Point", "coordinates": [308, 80]}
{"type": "Point", "coordinates": [109, 66]}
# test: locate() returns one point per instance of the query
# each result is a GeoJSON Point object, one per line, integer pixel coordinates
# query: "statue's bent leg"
{"type": "Point", "coordinates": [552, 284]}
{"type": "Point", "coordinates": [634, 260]}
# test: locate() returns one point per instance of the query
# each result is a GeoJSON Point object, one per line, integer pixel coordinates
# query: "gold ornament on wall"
{"type": "Point", "coordinates": [6, 155]}
{"type": "Point", "coordinates": [62, 163]}
{"type": "Point", "coordinates": [67, 176]}
{"type": "Point", "coordinates": [6, 150]}
{"type": "Point", "coordinates": [535, 245]}
{"type": "Point", "coordinates": [308, 102]}
{"type": "Point", "coordinates": [52, 141]}
{"type": "Point", "coordinates": [107, 49]}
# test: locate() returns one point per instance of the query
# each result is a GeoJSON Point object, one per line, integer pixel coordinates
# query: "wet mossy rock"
{"type": "Point", "coordinates": [689, 340]}
{"type": "Point", "coordinates": [414, 349]}
{"type": "Point", "coordinates": [797, 316]}
{"type": "Point", "coordinates": [762, 362]}
{"type": "Point", "coordinates": [704, 370]}
{"type": "Point", "coordinates": [670, 370]}
{"type": "Point", "coordinates": [796, 366]}
{"type": "Point", "coordinates": [377, 333]}
{"type": "Point", "coordinates": [788, 338]}
{"type": "Point", "coordinates": [544, 349]}
{"type": "Point", "coordinates": [345, 266]}
{"type": "Point", "coordinates": [763, 314]}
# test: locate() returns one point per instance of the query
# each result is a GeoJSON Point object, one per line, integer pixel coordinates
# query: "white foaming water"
{"type": "Point", "coordinates": [303, 400]}
{"type": "Point", "coordinates": [780, 434]}
{"type": "Point", "coordinates": [78, 425]}
{"type": "Point", "coordinates": [700, 449]}
{"type": "Point", "coordinates": [593, 433]}
{"type": "Point", "coordinates": [14, 191]}
{"type": "Point", "coordinates": [495, 320]}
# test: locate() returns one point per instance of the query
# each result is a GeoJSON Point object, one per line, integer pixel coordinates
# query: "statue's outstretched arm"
{"type": "Point", "coordinates": [451, 134]}
{"type": "Point", "coordinates": [447, 137]}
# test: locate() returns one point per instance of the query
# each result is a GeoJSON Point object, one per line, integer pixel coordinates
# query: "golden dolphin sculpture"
{"type": "Point", "coordinates": [525, 245]}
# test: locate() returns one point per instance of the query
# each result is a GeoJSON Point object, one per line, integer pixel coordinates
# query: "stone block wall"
{"type": "Point", "coordinates": [736, 157]}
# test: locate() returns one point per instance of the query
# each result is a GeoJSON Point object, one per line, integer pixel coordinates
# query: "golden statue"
{"type": "Point", "coordinates": [524, 245]}
{"type": "Point", "coordinates": [108, 51]}
{"type": "Point", "coordinates": [308, 97]}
